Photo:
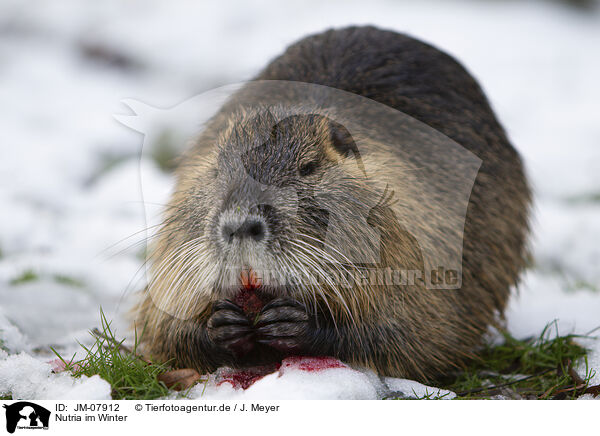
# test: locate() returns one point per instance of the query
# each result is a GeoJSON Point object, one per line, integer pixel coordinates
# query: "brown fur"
{"type": "Point", "coordinates": [403, 331]}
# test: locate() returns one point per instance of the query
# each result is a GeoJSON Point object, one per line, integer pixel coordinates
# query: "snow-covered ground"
{"type": "Point", "coordinates": [70, 175]}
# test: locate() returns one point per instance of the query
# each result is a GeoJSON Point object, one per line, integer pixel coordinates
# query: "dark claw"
{"type": "Point", "coordinates": [226, 305]}
{"type": "Point", "coordinates": [282, 314]}
{"type": "Point", "coordinates": [226, 317]}
{"type": "Point", "coordinates": [284, 301]}
{"type": "Point", "coordinates": [230, 329]}
{"type": "Point", "coordinates": [284, 325]}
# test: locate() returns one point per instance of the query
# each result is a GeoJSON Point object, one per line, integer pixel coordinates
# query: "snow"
{"type": "Point", "coordinates": [411, 388]}
{"type": "Point", "coordinates": [297, 379]}
{"type": "Point", "coordinates": [28, 378]}
{"type": "Point", "coordinates": [11, 338]}
{"type": "Point", "coordinates": [67, 213]}
{"type": "Point", "coordinates": [542, 299]}
{"type": "Point", "coordinates": [293, 383]}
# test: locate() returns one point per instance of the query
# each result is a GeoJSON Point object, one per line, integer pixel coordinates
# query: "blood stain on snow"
{"type": "Point", "coordinates": [244, 378]}
{"type": "Point", "coordinates": [311, 364]}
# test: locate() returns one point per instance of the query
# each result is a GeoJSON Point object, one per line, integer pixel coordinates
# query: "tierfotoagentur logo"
{"type": "Point", "coordinates": [27, 416]}
{"type": "Point", "coordinates": [388, 209]}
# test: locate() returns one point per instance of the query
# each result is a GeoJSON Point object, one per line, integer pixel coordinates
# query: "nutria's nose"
{"type": "Point", "coordinates": [250, 228]}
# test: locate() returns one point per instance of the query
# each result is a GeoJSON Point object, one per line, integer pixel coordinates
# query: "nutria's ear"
{"type": "Point", "coordinates": [344, 143]}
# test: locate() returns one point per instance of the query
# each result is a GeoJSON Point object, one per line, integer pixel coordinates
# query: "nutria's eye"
{"type": "Point", "coordinates": [308, 168]}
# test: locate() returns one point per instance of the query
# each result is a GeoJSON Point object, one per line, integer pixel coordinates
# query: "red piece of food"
{"type": "Point", "coordinates": [247, 297]}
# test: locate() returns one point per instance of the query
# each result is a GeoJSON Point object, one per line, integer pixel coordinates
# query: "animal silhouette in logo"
{"type": "Point", "coordinates": [27, 415]}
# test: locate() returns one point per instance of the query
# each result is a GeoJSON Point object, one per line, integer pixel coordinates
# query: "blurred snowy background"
{"type": "Point", "coordinates": [70, 191]}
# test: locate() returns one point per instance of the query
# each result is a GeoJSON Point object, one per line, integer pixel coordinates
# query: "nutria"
{"type": "Point", "coordinates": [205, 307]}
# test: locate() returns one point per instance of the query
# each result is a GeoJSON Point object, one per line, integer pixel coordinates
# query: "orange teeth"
{"type": "Point", "coordinates": [249, 279]}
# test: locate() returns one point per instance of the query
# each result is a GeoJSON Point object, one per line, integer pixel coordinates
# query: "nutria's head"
{"type": "Point", "coordinates": [285, 195]}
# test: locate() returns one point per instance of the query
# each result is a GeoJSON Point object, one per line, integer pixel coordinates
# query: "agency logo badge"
{"type": "Point", "coordinates": [26, 415]}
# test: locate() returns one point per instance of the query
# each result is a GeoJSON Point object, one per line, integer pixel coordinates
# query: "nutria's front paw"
{"type": "Point", "coordinates": [229, 328]}
{"type": "Point", "coordinates": [284, 325]}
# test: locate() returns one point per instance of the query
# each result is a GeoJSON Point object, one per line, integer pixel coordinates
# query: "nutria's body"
{"type": "Point", "coordinates": [196, 316]}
